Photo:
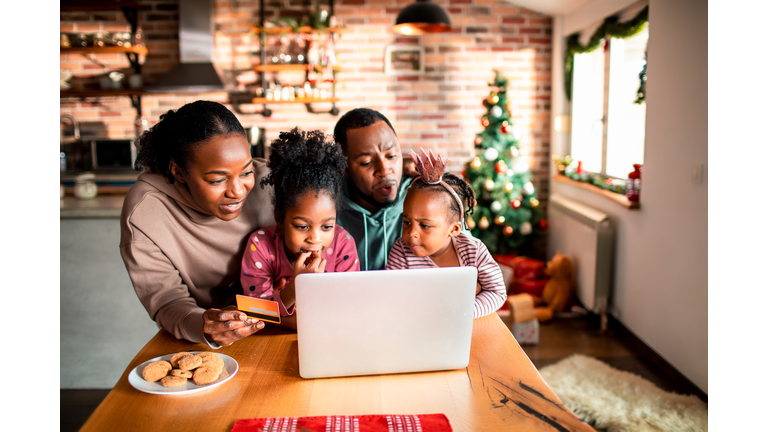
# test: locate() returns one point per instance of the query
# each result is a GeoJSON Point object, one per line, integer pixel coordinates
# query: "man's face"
{"type": "Point", "coordinates": [374, 165]}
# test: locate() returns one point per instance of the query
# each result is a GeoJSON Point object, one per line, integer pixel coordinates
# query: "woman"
{"type": "Point", "coordinates": [185, 222]}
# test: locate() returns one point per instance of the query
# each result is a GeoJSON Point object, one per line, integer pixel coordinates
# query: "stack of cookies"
{"type": "Point", "coordinates": [203, 368]}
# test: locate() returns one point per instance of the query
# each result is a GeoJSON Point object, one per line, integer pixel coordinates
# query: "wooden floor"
{"type": "Point", "coordinates": [557, 340]}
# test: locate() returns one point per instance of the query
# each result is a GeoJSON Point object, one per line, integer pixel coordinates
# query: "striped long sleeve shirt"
{"type": "Point", "coordinates": [471, 252]}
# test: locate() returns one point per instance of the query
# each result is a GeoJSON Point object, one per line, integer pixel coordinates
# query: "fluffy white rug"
{"type": "Point", "coordinates": [618, 401]}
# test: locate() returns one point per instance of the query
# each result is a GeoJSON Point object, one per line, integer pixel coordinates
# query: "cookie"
{"type": "Point", "coordinates": [206, 375]}
{"type": "Point", "coordinates": [190, 362]}
{"type": "Point", "coordinates": [156, 370]}
{"type": "Point", "coordinates": [211, 360]}
{"type": "Point", "coordinates": [182, 373]}
{"type": "Point", "coordinates": [178, 356]}
{"type": "Point", "coordinates": [172, 381]}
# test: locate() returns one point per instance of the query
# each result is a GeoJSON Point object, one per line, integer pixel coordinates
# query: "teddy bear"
{"type": "Point", "coordinates": [558, 292]}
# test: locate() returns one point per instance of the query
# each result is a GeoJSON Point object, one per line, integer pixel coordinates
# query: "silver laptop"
{"type": "Point", "coordinates": [384, 321]}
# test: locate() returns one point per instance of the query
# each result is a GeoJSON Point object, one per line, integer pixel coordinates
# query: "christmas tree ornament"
{"type": "Point", "coordinates": [493, 99]}
{"type": "Point", "coordinates": [508, 230]}
{"type": "Point", "coordinates": [509, 186]}
{"type": "Point", "coordinates": [543, 224]}
{"type": "Point", "coordinates": [515, 204]}
{"type": "Point", "coordinates": [499, 220]}
{"type": "Point", "coordinates": [496, 111]}
{"type": "Point", "coordinates": [510, 172]}
{"type": "Point", "coordinates": [491, 154]}
{"type": "Point", "coordinates": [501, 167]}
{"type": "Point", "coordinates": [470, 223]}
{"type": "Point", "coordinates": [528, 188]}
{"type": "Point", "coordinates": [525, 228]}
{"type": "Point", "coordinates": [515, 152]}
{"type": "Point", "coordinates": [476, 162]}
{"type": "Point", "coordinates": [478, 141]}
{"type": "Point", "coordinates": [521, 166]}
{"type": "Point", "coordinates": [495, 206]}
{"type": "Point", "coordinates": [485, 122]}
{"type": "Point", "coordinates": [464, 173]}
{"type": "Point", "coordinates": [534, 203]}
{"type": "Point", "coordinates": [489, 184]}
{"type": "Point", "coordinates": [484, 224]}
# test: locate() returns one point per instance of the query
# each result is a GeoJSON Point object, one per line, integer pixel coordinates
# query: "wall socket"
{"type": "Point", "coordinates": [697, 173]}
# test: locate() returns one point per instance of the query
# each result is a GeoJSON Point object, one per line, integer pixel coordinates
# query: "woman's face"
{"type": "Point", "coordinates": [220, 175]}
{"type": "Point", "coordinates": [309, 226]}
{"type": "Point", "coordinates": [427, 229]}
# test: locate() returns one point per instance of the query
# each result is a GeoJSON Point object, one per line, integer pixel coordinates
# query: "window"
{"type": "Point", "coordinates": [608, 128]}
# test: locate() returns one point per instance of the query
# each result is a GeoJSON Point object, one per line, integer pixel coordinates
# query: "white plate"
{"type": "Point", "coordinates": [135, 379]}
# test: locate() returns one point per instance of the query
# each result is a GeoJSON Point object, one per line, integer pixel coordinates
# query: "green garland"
{"type": "Point", "coordinates": [610, 27]}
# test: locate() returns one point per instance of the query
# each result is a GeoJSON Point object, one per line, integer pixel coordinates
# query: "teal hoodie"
{"type": "Point", "coordinates": [374, 233]}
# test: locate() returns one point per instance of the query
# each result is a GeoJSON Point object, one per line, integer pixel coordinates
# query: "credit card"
{"type": "Point", "coordinates": [265, 310]}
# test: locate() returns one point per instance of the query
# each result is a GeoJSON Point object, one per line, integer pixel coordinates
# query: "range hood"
{"type": "Point", "coordinates": [195, 72]}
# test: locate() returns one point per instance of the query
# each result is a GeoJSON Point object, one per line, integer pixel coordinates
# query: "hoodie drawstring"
{"type": "Point", "coordinates": [386, 239]}
{"type": "Point", "coordinates": [365, 238]}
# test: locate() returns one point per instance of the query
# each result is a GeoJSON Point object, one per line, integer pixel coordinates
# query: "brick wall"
{"type": "Point", "coordinates": [439, 110]}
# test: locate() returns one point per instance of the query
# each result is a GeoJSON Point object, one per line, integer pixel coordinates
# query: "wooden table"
{"type": "Point", "coordinates": [499, 390]}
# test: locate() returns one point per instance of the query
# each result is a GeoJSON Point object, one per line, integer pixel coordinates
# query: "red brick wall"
{"type": "Point", "coordinates": [439, 110]}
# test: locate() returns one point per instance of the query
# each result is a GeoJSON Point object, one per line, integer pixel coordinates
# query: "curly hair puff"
{"type": "Point", "coordinates": [177, 134]}
{"type": "Point", "coordinates": [459, 185]}
{"type": "Point", "coordinates": [303, 162]}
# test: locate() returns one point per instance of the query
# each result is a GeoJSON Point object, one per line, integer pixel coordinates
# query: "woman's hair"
{"type": "Point", "coordinates": [459, 185]}
{"type": "Point", "coordinates": [303, 162]}
{"type": "Point", "coordinates": [178, 133]}
{"type": "Point", "coordinates": [356, 119]}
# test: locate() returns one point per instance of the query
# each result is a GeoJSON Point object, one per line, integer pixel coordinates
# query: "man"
{"type": "Point", "coordinates": [373, 197]}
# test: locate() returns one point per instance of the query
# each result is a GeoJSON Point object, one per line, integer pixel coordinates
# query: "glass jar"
{"type": "Point", "coordinates": [85, 186]}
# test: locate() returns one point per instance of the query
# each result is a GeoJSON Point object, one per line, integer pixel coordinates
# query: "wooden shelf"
{"type": "Point", "coordinates": [101, 93]}
{"type": "Point", "coordinates": [104, 50]}
{"type": "Point", "coordinates": [95, 5]}
{"type": "Point", "coordinates": [295, 101]}
{"type": "Point", "coordinates": [617, 198]}
{"type": "Point", "coordinates": [304, 29]}
{"type": "Point", "coordinates": [285, 67]}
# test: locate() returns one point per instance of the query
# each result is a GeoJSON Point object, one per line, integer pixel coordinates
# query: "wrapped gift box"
{"type": "Point", "coordinates": [528, 268]}
{"type": "Point", "coordinates": [521, 308]}
{"type": "Point", "coordinates": [524, 286]}
{"type": "Point", "coordinates": [526, 333]}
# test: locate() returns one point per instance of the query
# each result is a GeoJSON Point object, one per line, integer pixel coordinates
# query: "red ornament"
{"type": "Point", "coordinates": [485, 122]}
{"type": "Point", "coordinates": [501, 167]}
{"type": "Point", "coordinates": [543, 224]}
{"type": "Point", "coordinates": [464, 173]}
{"type": "Point", "coordinates": [515, 204]}
{"type": "Point", "coordinates": [506, 129]}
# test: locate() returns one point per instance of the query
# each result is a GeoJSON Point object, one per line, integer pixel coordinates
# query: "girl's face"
{"type": "Point", "coordinates": [309, 226]}
{"type": "Point", "coordinates": [220, 175]}
{"type": "Point", "coordinates": [427, 228]}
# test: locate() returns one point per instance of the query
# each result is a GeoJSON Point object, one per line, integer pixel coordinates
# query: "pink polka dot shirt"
{"type": "Point", "coordinates": [265, 263]}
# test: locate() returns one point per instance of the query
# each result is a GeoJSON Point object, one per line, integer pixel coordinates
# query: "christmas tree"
{"type": "Point", "coordinates": [507, 216]}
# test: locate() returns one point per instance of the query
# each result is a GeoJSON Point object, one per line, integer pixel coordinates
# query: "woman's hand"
{"type": "Point", "coordinates": [225, 326]}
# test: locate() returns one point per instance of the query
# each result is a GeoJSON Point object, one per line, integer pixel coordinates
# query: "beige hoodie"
{"type": "Point", "coordinates": [182, 261]}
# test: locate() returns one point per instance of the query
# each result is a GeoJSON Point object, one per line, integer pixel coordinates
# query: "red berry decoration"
{"type": "Point", "coordinates": [543, 224]}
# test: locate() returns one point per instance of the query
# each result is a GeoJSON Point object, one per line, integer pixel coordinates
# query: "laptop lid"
{"type": "Point", "coordinates": [384, 321]}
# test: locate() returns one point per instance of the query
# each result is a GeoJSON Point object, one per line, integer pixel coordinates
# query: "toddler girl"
{"type": "Point", "coordinates": [433, 215]}
{"type": "Point", "coordinates": [306, 172]}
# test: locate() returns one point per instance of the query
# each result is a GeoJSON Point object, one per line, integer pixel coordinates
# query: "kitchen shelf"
{"type": "Point", "coordinates": [285, 68]}
{"type": "Point", "coordinates": [303, 29]}
{"type": "Point", "coordinates": [100, 93]}
{"type": "Point", "coordinates": [295, 101]}
{"type": "Point", "coordinates": [142, 50]}
{"type": "Point", "coordinates": [95, 5]}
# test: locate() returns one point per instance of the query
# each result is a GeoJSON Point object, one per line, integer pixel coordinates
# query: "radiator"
{"type": "Point", "coordinates": [586, 236]}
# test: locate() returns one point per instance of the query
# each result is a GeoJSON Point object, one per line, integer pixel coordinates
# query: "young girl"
{"type": "Point", "coordinates": [306, 172]}
{"type": "Point", "coordinates": [433, 214]}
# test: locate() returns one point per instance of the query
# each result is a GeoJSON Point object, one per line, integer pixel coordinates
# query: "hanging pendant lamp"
{"type": "Point", "coordinates": [422, 17]}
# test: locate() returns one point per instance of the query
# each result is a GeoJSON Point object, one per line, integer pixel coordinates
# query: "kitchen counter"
{"type": "Point", "coordinates": [103, 206]}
